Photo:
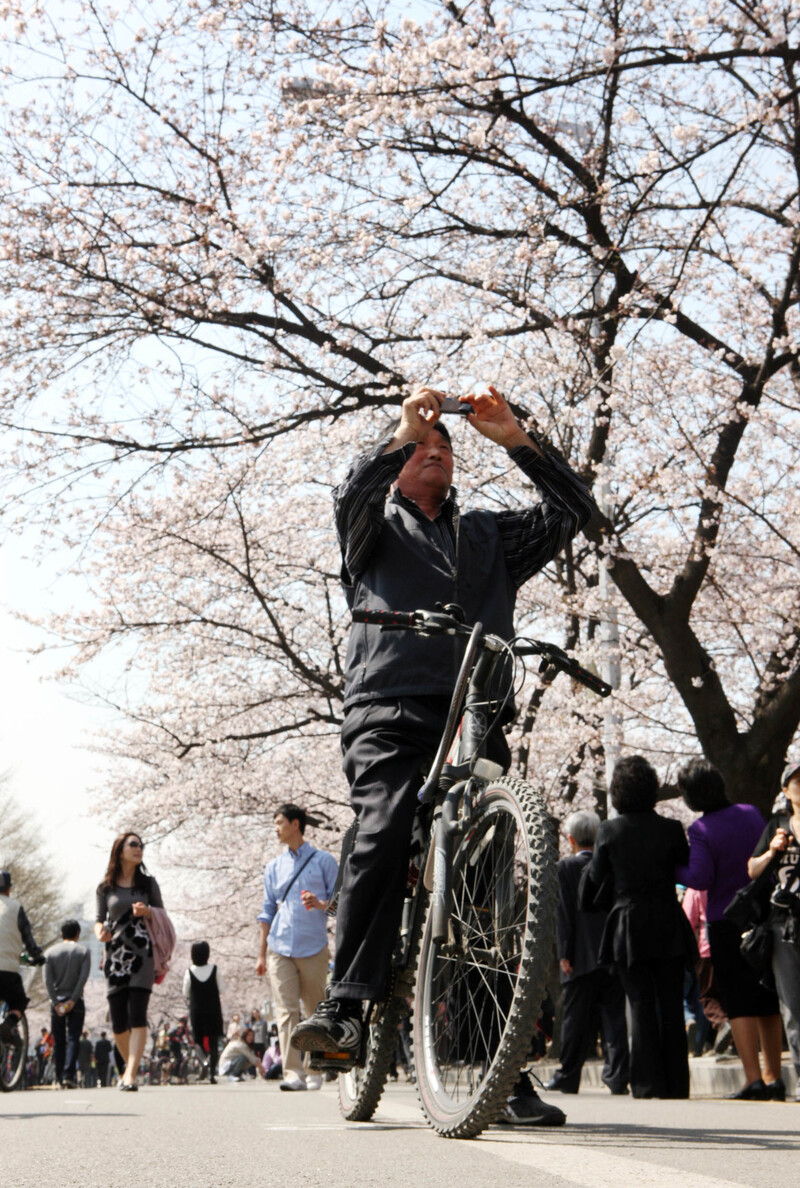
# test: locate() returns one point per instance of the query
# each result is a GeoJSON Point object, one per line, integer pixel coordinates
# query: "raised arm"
{"type": "Point", "coordinates": [359, 501]}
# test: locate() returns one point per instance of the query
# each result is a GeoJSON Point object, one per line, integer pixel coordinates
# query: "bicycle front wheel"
{"type": "Point", "coordinates": [478, 996]}
{"type": "Point", "coordinates": [13, 1056]}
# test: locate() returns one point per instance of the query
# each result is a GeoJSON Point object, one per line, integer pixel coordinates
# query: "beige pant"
{"type": "Point", "coordinates": [295, 979]}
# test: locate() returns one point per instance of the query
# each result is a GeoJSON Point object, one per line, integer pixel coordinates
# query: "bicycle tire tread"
{"type": "Point", "coordinates": [530, 985]}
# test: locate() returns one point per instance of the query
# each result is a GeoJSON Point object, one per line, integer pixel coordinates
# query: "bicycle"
{"type": "Point", "coordinates": [478, 918]}
{"type": "Point", "coordinates": [13, 1056]}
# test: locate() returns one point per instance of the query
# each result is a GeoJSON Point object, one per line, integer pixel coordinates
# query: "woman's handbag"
{"type": "Point", "coordinates": [756, 948]}
{"type": "Point", "coordinates": [750, 905]}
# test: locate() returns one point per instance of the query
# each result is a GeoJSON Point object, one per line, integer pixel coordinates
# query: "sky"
{"type": "Point", "coordinates": [46, 733]}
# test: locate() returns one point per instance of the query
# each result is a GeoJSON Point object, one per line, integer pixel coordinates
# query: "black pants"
{"type": "Point", "coordinates": [12, 992]}
{"type": "Point", "coordinates": [659, 1055]}
{"type": "Point", "coordinates": [66, 1031]}
{"type": "Point", "coordinates": [583, 997]}
{"type": "Point", "coordinates": [387, 746]}
{"type": "Point", "coordinates": [209, 1042]}
{"type": "Point", "coordinates": [128, 1008]}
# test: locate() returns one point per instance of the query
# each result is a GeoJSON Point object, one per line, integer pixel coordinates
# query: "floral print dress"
{"type": "Point", "coordinates": [128, 962]}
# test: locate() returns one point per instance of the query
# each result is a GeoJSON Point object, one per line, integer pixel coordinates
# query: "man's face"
{"type": "Point", "coordinates": [286, 831]}
{"type": "Point", "coordinates": [430, 467]}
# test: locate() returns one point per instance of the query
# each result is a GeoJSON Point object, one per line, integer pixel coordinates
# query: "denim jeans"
{"type": "Point", "coordinates": [66, 1031]}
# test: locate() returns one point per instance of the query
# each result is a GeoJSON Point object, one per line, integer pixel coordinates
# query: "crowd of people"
{"type": "Point", "coordinates": [636, 958]}
{"type": "Point", "coordinates": [626, 947]}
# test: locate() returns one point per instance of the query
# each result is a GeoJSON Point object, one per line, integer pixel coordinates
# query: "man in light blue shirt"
{"type": "Point", "coordinates": [298, 885]}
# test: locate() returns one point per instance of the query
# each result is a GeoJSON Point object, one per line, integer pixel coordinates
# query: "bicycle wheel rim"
{"type": "Point", "coordinates": [12, 1059]}
{"type": "Point", "coordinates": [478, 997]}
{"type": "Point", "coordinates": [361, 1088]}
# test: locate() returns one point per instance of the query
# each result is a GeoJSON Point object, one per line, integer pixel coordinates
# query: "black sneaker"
{"type": "Point", "coordinates": [335, 1026]}
{"type": "Point", "coordinates": [526, 1108]}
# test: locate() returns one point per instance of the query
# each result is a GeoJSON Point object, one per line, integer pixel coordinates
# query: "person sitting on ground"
{"type": "Point", "coordinates": [238, 1056]}
{"type": "Point", "coordinates": [271, 1062]}
{"type": "Point", "coordinates": [15, 935]}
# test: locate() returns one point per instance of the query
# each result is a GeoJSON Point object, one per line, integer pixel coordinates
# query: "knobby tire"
{"type": "Point", "coordinates": [477, 999]}
{"type": "Point", "coordinates": [361, 1089]}
{"type": "Point", "coordinates": [13, 1060]}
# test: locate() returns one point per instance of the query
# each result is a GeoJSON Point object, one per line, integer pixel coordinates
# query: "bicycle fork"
{"type": "Point", "coordinates": [449, 823]}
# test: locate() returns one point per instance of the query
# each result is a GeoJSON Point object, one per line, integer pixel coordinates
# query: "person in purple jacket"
{"type": "Point", "coordinates": [721, 841]}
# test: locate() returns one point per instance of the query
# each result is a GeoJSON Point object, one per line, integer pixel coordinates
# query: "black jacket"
{"type": "Point", "coordinates": [578, 933]}
{"type": "Point", "coordinates": [632, 874]}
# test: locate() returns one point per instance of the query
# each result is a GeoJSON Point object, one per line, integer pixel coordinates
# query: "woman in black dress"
{"type": "Point", "coordinates": [647, 937]}
{"type": "Point", "coordinates": [125, 899]}
{"type": "Point", "coordinates": [202, 985]}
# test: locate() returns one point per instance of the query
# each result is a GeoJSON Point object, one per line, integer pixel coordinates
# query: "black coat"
{"type": "Point", "coordinates": [632, 874]}
{"type": "Point", "coordinates": [578, 933]}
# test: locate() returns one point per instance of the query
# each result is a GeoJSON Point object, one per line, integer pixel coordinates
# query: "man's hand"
{"type": "Point", "coordinates": [566, 966]}
{"type": "Point", "coordinates": [311, 901]}
{"type": "Point", "coordinates": [420, 413]}
{"type": "Point", "coordinates": [261, 966]}
{"type": "Point", "coordinates": [493, 418]}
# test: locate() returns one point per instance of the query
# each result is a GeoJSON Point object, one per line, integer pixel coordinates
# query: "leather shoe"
{"type": "Point", "coordinates": [755, 1091]}
{"type": "Point", "coordinates": [557, 1086]}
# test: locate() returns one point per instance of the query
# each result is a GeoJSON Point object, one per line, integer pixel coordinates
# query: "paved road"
{"type": "Point", "coordinates": [248, 1135]}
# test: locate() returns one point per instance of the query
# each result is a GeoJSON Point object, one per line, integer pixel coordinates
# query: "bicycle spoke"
{"type": "Point", "coordinates": [479, 994]}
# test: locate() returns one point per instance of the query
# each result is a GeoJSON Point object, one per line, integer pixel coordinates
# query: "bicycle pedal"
{"type": "Point", "coordinates": [331, 1061]}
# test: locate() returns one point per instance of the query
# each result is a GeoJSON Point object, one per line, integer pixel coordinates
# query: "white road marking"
{"type": "Point", "coordinates": [580, 1164]}
{"type": "Point", "coordinates": [592, 1167]}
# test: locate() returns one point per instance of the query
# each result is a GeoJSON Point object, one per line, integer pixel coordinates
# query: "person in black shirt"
{"type": "Point", "coordinates": [202, 984]}
{"type": "Point", "coordinates": [406, 545]}
{"type": "Point", "coordinates": [102, 1059]}
{"type": "Point", "coordinates": [782, 836]}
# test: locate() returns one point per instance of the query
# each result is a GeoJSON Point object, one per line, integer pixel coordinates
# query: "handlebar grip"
{"type": "Point", "coordinates": [595, 683]}
{"type": "Point", "coordinates": [385, 618]}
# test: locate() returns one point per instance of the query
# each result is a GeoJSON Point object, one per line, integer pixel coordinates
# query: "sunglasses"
{"type": "Point", "coordinates": [135, 845]}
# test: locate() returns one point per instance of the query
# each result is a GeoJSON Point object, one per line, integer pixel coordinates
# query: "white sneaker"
{"type": "Point", "coordinates": [293, 1082]}
{"type": "Point", "coordinates": [313, 1082]}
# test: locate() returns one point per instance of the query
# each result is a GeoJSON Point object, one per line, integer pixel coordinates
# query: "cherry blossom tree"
{"type": "Point", "coordinates": [231, 237]}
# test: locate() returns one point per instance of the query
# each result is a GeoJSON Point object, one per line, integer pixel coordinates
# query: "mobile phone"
{"type": "Point", "coordinates": [451, 405]}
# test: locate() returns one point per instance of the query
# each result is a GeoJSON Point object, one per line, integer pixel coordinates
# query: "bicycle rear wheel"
{"type": "Point", "coordinates": [361, 1089]}
{"type": "Point", "coordinates": [12, 1056]}
{"type": "Point", "coordinates": [478, 996]}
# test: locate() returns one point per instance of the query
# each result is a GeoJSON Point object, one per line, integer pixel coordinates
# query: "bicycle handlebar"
{"type": "Point", "coordinates": [557, 658]}
{"type": "Point", "coordinates": [554, 658]}
{"type": "Point", "coordinates": [386, 618]}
